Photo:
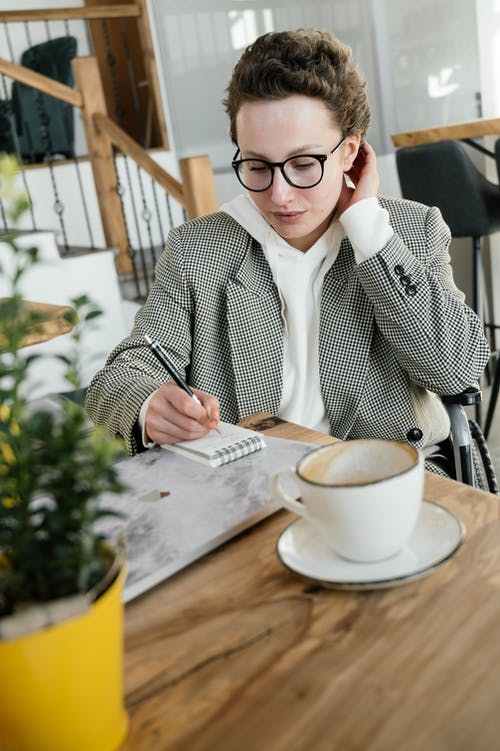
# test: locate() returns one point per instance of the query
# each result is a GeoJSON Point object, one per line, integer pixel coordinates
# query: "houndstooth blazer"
{"type": "Point", "coordinates": [394, 331]}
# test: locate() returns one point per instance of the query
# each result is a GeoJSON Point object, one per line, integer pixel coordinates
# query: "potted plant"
{"type": "Point", "coordinates": [60, 581]}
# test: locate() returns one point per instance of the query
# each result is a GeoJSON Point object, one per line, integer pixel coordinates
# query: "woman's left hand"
{"type": "Point", "coordinates": [365, 177]}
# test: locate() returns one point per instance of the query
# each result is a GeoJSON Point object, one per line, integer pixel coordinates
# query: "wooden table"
{"type": "Point", "coordinates": [238, 654]}
{"type": "Point", "coordinates": [456, 131]}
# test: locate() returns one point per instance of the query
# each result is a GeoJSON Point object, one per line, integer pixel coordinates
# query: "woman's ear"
{"type": "Point", "coordinates": [353, 142]}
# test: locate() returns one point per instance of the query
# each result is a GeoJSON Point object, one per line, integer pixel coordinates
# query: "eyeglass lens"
{"type": "Point", "coordinates": [300, 171]}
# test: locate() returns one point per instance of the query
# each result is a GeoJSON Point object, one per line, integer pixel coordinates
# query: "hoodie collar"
{"type": "Point", "coordinates": [243, 210]}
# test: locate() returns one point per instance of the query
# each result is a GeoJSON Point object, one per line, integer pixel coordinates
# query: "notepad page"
{"type": "Point", "coordinates": [216, 448]}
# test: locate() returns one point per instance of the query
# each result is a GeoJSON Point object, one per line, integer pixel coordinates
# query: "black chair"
{"type": "Point", "coordinates": [442, 174]}
{"type": "Point", "coordinates": [45, 124]}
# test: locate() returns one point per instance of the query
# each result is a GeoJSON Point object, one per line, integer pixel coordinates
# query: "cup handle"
{"type": "Point", "coordinates": [292, 504]}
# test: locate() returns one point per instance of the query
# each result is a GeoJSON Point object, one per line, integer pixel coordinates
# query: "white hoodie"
{"type": "Point", "coordinates": [299, 279]}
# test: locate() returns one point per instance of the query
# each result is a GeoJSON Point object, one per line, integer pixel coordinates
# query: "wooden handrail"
{"type": "Point", "coordinates": [456, 131]}
{"type": "Point", "coordinates": [54, 320]}
{"type": "Point", "coordinates": [59, 14]}
{"type": "Point", "coordinates": [130, 148]}
{"type": "Point", "coordinates": [41, 82]}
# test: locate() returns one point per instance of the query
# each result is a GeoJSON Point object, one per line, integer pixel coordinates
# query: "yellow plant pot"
{"type": "Point", "coordinates": [62, 686]}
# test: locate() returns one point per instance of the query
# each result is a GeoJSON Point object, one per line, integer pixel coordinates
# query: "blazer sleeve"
{"type": "Point", "coordinates": [438, 340]}
{"type": "Point", "coordinates": [131, 372]}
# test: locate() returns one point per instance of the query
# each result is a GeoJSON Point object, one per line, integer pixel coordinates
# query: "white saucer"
{"type": "Point", "coordinates": [437, 535]}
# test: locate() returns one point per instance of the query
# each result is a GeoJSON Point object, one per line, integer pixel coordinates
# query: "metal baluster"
{"type": "Point", "coordinates": [88, 36]}
{"type": "Point", "coordinates": [69, 113]}
{"type": "Point", "coordinates": [44, 121]}
{"type": "Point", "coordinates": [47, 29]}
{"type": "Point", "coordinates": [158, 218]}
{"type": "Point", "coordinates": [121, 192]}
{"type": "Point", "coordinates": [142, 256]}
{"type": "Point", "coordinates": [133, 83]}
{"type": "Point", "coordinates": [9, 42]}
{"type": "Point", "coordinates": [28, 34]}
{"type": "Point", "coordinates": [142, 253]}
{"type": "Point", "coordinates": [169, 210]}
{"type": "Point", "coordinates": [146, 215]}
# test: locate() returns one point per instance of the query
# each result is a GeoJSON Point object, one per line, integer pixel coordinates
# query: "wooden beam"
{"type": "Point", "coordinates": [456, 131]}
{"type": "Point", "coordinates": [88, 80]}
{"type": "Point", "coordinates": [131, 148]}
{"type": "Point", "coordinates": [41, 82]}
{"type": "Point", "coordinates": [59, 14]}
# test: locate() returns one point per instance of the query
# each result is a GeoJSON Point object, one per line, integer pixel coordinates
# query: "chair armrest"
{"type": "Point", "coordinates": [471, 395]}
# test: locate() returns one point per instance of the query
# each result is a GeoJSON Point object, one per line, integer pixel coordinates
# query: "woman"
{"type": "Point", "coordinates": [308, 296]}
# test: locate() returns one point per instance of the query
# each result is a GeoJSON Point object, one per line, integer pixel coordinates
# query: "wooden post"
{"type": "Point", "coordinates": [88, 81]}
{"type": "Point", "coordinates": [198, 186]}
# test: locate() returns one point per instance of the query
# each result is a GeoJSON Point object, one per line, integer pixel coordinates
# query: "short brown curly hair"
{"type": "Point", "coordinates": [311, 62]}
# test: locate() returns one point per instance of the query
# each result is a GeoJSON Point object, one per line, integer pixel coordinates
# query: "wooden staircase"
{"type": "Point", "coordinates": [106, 140]}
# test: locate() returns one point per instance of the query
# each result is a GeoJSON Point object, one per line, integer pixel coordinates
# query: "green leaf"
{"type": "Point", "coordinates": [93, 314]}
{"type": "Point", "coordinates": [79, 302]}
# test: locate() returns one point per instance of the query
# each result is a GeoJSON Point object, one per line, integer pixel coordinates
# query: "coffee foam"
{"type": "Point", "coordinates": [359, 462]}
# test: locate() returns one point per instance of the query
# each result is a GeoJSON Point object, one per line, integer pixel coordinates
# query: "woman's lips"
{"type": "Point", "coordinates": [288, 217]}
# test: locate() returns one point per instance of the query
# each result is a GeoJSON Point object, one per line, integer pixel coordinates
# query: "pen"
{"type": "Point", "coordinates": [169, 366]}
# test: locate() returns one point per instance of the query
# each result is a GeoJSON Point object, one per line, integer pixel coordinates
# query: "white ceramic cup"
{"type": "Point", "coordinates": [362, 496]}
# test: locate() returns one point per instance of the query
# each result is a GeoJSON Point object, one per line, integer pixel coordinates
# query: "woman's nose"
{"type": "Point", "coordinates": [280, 189]}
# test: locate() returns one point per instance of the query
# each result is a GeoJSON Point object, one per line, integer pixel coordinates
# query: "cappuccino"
{"type": "Point", "coordinates": [356, 463]}
{"type": "Point", "coordinates": [362, 496]}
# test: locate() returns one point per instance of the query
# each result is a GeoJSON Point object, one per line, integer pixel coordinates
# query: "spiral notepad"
{"type": "Point", "coordinates": [214, 449]}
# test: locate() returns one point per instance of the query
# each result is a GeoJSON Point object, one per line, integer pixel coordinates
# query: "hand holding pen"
{"type": "Point", "coordinates": [167, 419]}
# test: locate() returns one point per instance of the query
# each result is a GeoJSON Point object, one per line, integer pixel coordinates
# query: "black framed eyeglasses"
{"type": "Point", "coordinates": [301, 171]}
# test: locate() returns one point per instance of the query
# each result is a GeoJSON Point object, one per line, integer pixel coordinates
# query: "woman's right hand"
{"type": "Point", "coordinates": [174, 416]}
{"type": "Point", "coordinates": [364, 175]}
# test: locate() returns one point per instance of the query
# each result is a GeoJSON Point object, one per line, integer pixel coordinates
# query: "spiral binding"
{"type": "Point", "coordinates": [237, 450]}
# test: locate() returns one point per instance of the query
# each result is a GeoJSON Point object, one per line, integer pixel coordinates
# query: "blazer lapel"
{"type": "Point", "coordinates": [255, 335]}
{"type": "Point", "coordinates": [346, 330]}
